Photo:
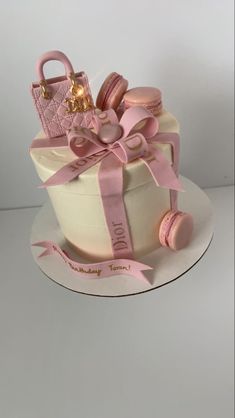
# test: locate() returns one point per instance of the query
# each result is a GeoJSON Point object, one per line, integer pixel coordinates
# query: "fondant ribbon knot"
{"type": "Point", "coordinates": [139, 133]}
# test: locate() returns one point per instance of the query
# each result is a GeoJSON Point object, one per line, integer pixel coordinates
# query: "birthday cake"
{"type": "Point", "coordinates": [110, 166]}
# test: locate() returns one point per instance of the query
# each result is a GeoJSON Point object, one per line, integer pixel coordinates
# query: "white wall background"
{"type": "Point", "coordinates": [184, 47]}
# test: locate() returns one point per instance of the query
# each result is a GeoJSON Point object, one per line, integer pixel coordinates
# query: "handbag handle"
{"type": "Point", "coordinates": [53, 56]}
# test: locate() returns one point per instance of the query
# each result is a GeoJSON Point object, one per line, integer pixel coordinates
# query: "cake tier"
{"type": "Point", "coordinates": [78, 205]}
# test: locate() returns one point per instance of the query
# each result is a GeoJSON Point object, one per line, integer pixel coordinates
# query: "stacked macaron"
{"type": "Point", "coordinates": [148, 97]}
{"type": "Point", "coordinates": [113, 94]}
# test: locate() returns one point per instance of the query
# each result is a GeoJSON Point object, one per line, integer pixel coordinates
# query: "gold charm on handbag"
{"type": "Point", "coordinates": [45, 93]}
{"type": "Point", "coordinates": [79, 102]}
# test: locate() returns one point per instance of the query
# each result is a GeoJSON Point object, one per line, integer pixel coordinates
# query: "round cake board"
{"type": "Point", "coordinates": [167, 265]}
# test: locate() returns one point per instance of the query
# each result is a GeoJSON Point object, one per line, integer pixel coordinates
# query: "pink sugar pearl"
{"type": "Point", "coordinates": [110, 133]}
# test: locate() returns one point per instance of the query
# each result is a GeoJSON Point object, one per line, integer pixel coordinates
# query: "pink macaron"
{"type": "Point", "coordinates": [111, 92]}
{"type": "Point", "coordinates": [176, 230]}
{"type": "Point", "coordinates": [149, 97]}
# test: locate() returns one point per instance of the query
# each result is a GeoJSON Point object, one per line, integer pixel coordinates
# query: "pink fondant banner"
{"type": "Point", "coordinates": [95, 270]}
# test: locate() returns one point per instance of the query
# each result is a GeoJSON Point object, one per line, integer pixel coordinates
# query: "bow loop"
{"type": "Point", "coordinates": [83, 142]}
{"type": "Point", "coordinates": [140, 120]}
{"type": "Point", "coordinates": [130, 148]}
{"type": "Point", "coordinates": [137, 123]}
{"type": "Point", "coordinates": [100, 119]}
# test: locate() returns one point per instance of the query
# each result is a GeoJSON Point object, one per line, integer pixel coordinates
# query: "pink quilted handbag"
{"type": "Point", "coordinates": [62, 102]}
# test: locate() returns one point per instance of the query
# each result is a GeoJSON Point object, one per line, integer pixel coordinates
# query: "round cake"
{"type": "Point", "coordinates": [78, 204]}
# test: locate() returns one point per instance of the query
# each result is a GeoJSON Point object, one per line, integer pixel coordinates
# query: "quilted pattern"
{"type": "Point", "coordinates": [53, 113]}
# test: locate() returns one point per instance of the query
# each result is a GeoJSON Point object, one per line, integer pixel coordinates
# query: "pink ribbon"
{"type": "Point", "coordinates": [96, 270]}
{"type": "Point", "coordinates": [139, 133]}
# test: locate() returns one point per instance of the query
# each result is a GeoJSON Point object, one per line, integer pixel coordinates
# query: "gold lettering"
{"type": "Point", "coordinates": [78, 104]}
{"type": "Point", "coordinates": [90, 271]}
{"type": "Point", "coordinates": [74, 267]}
{"type": "Point", "coordinates": [119, 230]}
{"type": "Point", "coordinates": [119, 224]}
{"type": "Point", "coordinates": [120, 245]}
{"type": "Point", "coordinates": [116, 268]}
{"type": "Point", "coordinates": [102, 115]}
{"type": "Point", "coordinates": [104, 118]}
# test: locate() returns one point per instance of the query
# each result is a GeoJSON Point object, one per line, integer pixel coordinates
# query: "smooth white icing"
{"type": "Point", "coordinates": [78, 205]}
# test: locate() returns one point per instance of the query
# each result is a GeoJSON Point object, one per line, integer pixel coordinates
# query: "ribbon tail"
{"type": "Point", "coordinates": [138, 269]}
{"type": "Point", "coordinates": [111, 188]}
{"type": "Point", "coordinates": [161, 170]}
{"type": "Point", "coordinates": [140, 275]}
{"type": "Point", "coordinates": [44, 253]}
{"type": "Point", "coordinates": [44, 244]}
{"type": "Point", "coordinates": [64, 175]}
{"type": "Point", "coordinates": [50, 143]}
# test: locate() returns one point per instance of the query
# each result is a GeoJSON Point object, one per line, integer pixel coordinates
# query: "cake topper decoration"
{"type": "Point", "coordinates": [114, 137]}
{"type": "Point", "coordinates": [79, 100]}
{"type": "Point", "coordinates": [62, 102]}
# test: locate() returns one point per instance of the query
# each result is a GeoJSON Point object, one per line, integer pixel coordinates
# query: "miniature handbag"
{"type": "Point", "coordinates": [62, 102]}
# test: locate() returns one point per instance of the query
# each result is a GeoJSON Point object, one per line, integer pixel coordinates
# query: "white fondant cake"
{"type": "Point", "coordinates": [78, 205]}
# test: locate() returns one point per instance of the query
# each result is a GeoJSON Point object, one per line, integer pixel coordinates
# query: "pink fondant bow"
{"type": "Point", "coordinates": [139, 132]}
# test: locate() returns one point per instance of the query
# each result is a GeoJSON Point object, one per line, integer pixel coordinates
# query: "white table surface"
{"type": "Point", "coordinates": [163, 354]}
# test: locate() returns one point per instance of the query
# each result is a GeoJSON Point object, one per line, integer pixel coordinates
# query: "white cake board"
{"type": "Point", "coordinates": [168, 265]}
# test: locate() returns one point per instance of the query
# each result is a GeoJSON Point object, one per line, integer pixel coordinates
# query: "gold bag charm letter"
{"type": "Point", "coordinates": [78, 102]}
